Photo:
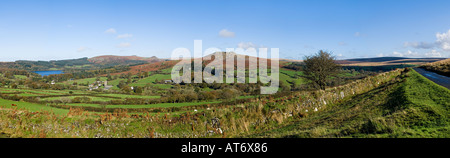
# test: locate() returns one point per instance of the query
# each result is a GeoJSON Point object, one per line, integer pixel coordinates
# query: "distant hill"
{"type": "Point", "coordinates": [80, 64]}
{"type": "Point", "coordinates": [154, 66]}
{"type": "Point", "coordinates": [45, 65]}
{"type": "Point", "coordinates": [380, 61]}
{"type": "Point", "coordinates": [154, 63]}
{"type": "Point", "coordinates": [111, 59]}
{"type": "Point", "coordinates": [249, 60]}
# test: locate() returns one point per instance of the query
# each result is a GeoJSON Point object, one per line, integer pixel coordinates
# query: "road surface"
{"type": "Point", "coordinates": [436, 78]}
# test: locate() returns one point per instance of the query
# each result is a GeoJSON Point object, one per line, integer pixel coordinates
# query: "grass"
{"type": "Point", "coordinates": [72, 97]}
{"type": "Point", "coordinates": [123, 96]}
{"type": "Point", "coordinates": [163, 86]}
{"type": "Point", "coordinates": [29, 93]}
{"type": "Point", "coordinates": [65, 91]}
{"type": "Point", "coordinates": [39, 92]}
{"type": "Point", "coordinates": [405, 106]}
{"type": "Point", "coordinates": [20, 77]}
{"type": "Point", "coordinates": [286, 79]}
{"type": "Point", "coordinates": [161, 105]}
{"type": "Point", "coordinates": [86, 80]}
{"type": "Point", "coordinates": [31, 106]}
{"type": "Point", "coordinates": [429, 103]}
{"type": "Point", "coordinates": [291, 73]}
{"type": "Point", "coordinates": [246, 97]}
{"type": "Point", "coordinates": [348, 74]}
{"type": "Point", "coordinates": [26, 95]}
{"type": "Point", "coordinates": [168, 70]}
{"type": "Point", "coordinates": [116, 82]}
{"type": "Point", "coordinates": [151, 79]}
{"type": "Point", "coordinates": [408, 107]}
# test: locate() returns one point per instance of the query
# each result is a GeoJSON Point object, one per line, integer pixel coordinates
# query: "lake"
{"type": "Point", "coordinates": [46, 73]}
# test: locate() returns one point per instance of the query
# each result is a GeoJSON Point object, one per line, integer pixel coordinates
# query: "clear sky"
{"type": "Point", "coordinates": [67, 29]}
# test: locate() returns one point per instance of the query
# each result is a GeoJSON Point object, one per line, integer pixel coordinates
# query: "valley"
{"type": "Point", "coordinates": [118, 100]}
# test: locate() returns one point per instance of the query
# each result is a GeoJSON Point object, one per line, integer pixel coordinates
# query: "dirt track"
{"type": "Point", "coordinates": [436, 78]}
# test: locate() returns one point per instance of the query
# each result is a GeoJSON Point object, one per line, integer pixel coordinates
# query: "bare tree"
{"type": "Point", "coordinates": [319, 68]}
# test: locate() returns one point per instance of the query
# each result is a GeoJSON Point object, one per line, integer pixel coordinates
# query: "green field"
{"type": "Point", "coordinates": [167, 71]}
{"type": "Point", "coordinates": [151, 79]}
{"type": "Point", "coordinates": [123, 96]}
{"type": "Point", "coordinates": [103, 99]}
{"type": "Point", "coordinates": [247, 97]}
{"type": "Point", "coordinates": [32, 106]}
{"type": "Point", "coordinates": [163, 86]}
{"type": "Point", "coordinates": [38, 92]}
{"type": "Point", "coordinates": [116, 82]}
{"type": "Point", "coordinates": [291, 73]}
{"type": "Point", "coordinates": [348, 74]}
{"type": "Point", "coordinates": [161, 105]}
{"type": "Point", "coordinates": [287, 79]}
{"type": "Point", "coordinates": [26, 95]}
{"type": "Point", "coordinates": [20, 77]}
{"type": "Point", "coordinates": [87, 80]}
{"type": "Point", "coordinates": [67, 91]}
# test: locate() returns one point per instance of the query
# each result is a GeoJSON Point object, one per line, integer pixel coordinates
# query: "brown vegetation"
{"type": "Point", "coordinates": [441, 67]}
{"type": "Point", "coordinates": [149, 67]}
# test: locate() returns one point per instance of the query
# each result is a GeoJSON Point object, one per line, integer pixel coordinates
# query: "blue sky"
{"type": "Point", "coordinates": [66, 29]}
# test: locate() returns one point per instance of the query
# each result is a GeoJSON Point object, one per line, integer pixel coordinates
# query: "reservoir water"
{"type": "Point", "coordinates": [46, 73]}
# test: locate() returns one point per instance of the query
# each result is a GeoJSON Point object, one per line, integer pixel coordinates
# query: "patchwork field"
{"type": "Point", "coordinates": [361, 101]}
{"type": "Point", "coordinates": [362, 109]}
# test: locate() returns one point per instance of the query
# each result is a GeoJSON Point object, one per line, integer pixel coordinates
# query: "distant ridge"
{"type": "Point", "coordinates": [387, 61]}
{"type": "Point", "coordinates": [109, 59]}
{"type": "Point", "coordinates": [154, 63]}
{"type": "Point", "coordinates": [383, 59]}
